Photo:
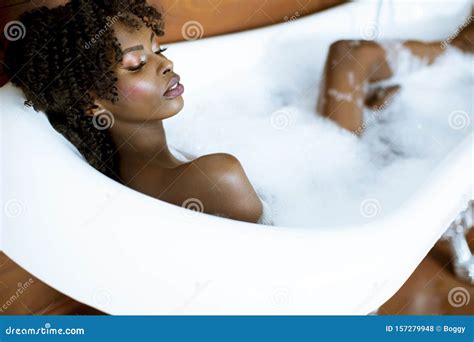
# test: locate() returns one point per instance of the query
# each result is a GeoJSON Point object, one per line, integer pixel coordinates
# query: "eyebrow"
{"type": "Point", "coordinates": [137, 47]}
{"type": "Point", "coordinates": [133, 48]}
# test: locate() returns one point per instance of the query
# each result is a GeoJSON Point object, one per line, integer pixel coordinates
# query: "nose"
{"type": "Point", "coordinates": [165, 67]}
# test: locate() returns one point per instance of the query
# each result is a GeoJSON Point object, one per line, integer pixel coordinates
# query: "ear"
{"type": "Point", "coordinates": [101, 117]}
{"type": "Point", "coordinates": [95, 109]}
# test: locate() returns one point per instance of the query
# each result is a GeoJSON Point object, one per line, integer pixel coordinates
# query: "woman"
{"type": "Point", "coordinates": [88, 59]}
{"type": "Point", "coordinates": [93, 62]}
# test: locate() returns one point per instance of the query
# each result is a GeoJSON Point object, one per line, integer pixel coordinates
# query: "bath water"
{"type": "Point", "coordinates": [306, 169]}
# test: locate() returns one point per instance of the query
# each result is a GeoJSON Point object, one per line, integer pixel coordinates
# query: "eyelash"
{"type": "Point", "coordinates": [161, 50]}
{"type": "Point", "coordinates": [139, 66]}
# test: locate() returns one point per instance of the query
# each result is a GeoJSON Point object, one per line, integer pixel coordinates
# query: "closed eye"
{"type": "Point", "coordinates": [137, 67]}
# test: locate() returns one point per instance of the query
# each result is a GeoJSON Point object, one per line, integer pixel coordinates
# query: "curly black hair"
{"type": "Point", "coordinates": [67, 59]}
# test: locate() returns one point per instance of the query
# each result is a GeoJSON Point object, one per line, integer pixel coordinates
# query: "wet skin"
{"type": "Point", "coordinates": [366, 62]}
{"type": "Point", "coordinates": [218, 180]}
{"type": "Point", "coordinates": [146, 164]}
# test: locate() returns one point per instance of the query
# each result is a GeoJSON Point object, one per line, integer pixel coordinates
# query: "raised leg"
{"type": "Point", "coordinates": [353, 65]}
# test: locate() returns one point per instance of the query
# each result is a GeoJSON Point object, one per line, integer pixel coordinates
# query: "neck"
{"type": "Point", "coordinates": [142, 146]}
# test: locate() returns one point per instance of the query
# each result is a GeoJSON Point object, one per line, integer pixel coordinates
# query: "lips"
{"type": "Point", "coordinates": [174, 88]}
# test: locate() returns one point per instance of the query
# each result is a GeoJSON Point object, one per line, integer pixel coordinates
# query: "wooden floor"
{"type": "Point", "coordinates": [431, 290]}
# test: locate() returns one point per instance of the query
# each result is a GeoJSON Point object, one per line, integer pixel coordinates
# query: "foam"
{"type": "Point", "coordinates": [309, 171]}
{"type": "Point", "coordinates": [400, 59]}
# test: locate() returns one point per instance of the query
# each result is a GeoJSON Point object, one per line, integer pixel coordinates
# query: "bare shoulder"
{"type": "Point", "coordinates": [220, 183]}
{"type": "Point", "coordinates": [221, 165]}
{"type": "Point", "coordinates": [235, 195]}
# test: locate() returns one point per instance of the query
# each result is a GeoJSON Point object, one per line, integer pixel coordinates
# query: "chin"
{"type": "Point", "coordinates": [173, 108]}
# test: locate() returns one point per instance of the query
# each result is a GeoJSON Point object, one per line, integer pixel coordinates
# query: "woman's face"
{"type": "Point", "coordinates": [148, 87]}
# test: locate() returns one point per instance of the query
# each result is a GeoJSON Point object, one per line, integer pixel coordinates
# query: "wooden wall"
{"type": "Point", "coordinates": [188, 18]}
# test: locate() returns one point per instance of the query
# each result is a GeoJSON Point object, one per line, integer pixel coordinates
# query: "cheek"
{"type": "Point", "coordinates": [138, 90]}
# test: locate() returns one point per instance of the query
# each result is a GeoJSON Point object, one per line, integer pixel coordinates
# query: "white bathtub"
{"type": "Point", "coordinates": [123, 252]}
